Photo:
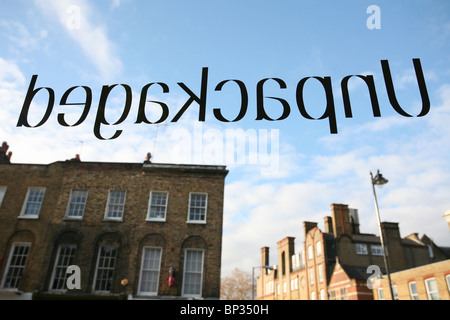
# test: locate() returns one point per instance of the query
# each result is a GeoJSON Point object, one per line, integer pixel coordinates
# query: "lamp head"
{"type": "Point", "coordinates": [379, 179]}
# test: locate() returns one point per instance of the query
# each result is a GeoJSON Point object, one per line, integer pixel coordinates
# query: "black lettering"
{"type": "Point", "coordinates": [141, 112]}
{"type": "Point", "coordinates": [23, 118]}
{"type": "Point", "coordinates": [391, 92]}
{"type": "Point", "coordinates": [372, 93]}
{"type": "Point", "coordinates": [87, 106]}
{"type": "Point", "coordinates": [100, 118]}
{"type": "Point", "coordinates": [329, 111]}
{"type": "Point", "coordinates": [201, 101]}
{"type": "Point", "coordinates": [261, 113]}
{"type": "Point", "coordinates": [244, 102]}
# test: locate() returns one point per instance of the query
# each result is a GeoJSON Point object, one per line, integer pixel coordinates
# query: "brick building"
{"type": "Point", "coordinates": [334, 263]}
{"type": "Point", "coordinates": [428, 282]}
{"type": "Point", "coordinates": [124, 225]}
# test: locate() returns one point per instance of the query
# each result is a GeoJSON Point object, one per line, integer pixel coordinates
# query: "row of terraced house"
{"type": "Point", "coordinates": [132, 230]}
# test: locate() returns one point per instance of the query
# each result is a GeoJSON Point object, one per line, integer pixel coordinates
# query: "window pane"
{"type": "Point", "coordinates": [193, 273]}
{"type": "Point", "coordinates": [18, 258]}
{"type": "Point", "coordinates": [311, 276]}
{"type": "Point", "coordinates": [376, 250]}
{"type": "Point", "coordinates": [77, 203]}
{"type": "Point", "coordinates": [116, 204]}
{"type": "Point", "coordinates": [151, 262]}
{"type": "Point", "coordinates": [394, 290]}
{"type": "Point", "coordinates": [2, 194]}
{"type": "Point", "coordinates": [158, 205]}
{"type": "Point", "coordinates": [318, 248]}
{"type": "Point", "coordinates": [432, 290]}
{"type": "Point", "coordinates": [105, 268]}
{"type": "Point", "coordinates": [344, 294]}
{"type": "Point", "coordinates": [33, 201]}
{"type": "Point", "coordinates": [65, 258]}
{"type": "Point", "coordinates": [380, 294]}
{"type": "Point", "coordinates": [413, 291]}
{"type": "Point", "coordinates": [361, 248]}
{"type": "Point", "coordinates": [197, 207]}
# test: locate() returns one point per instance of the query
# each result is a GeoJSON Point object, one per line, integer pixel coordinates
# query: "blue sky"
{"type": "Point", "coordinates": [304, 168]}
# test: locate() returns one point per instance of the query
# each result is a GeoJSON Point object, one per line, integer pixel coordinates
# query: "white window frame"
{"type": "Point", "coordinates": [431, 293]}
{"type": "Point", "coordinates": [344, 295]}
{"type": "Point", "coordinates": [322, 294]}
{"type": "Point", "coordinates": [97, 267]}
{"type": "Point", "coordinates": [27, 201]}
{"type": "Point", "coordinates": [447, 279]}
{"type": "Point", "coordinates": [413, 292]}
{"type": "Point", "coordinates": [311, 276]}
{"type": "Point", "coordinates": [20, 266]}
{"type": "Point", "coordinates": [81, 204]}
{"type": "Point", "coordinates": [189, 220]}
{"type": "Point", "coordinates": [319, 248]}
{"type": "Point", "coordinates": [67, 260]}
{"type": "Point", "coordinates": [430, 251]}
{"type": "Point", "coordinates": [376, 250]}
{"type": "Point", "coordinates": [361, 249]}
{"type": "Point", "coordinates": [2, 194]}
{"type": "Point", "coordinates": [332, 295]}
{"type": "Point", "coordinates": [156, 271]}
{"type": "Point", "coordinates": [122, 205]}
{"type": "Point", "coordinates": [185, 273]}
{"type": "Point", "coordinates": [269, 287]}
{"type": "Point", "coordinates": [152, 193]}
{"type": "Point", "coordinates": [294, 284]}
{"type": "Point", "coordinates": [320, 271]}
{"type": "Point", "coordinates": [310, 252]}
{"type": "Point", "coordinates": [381, 294]}
{"type": "Point", "coordinates": [395, 291]}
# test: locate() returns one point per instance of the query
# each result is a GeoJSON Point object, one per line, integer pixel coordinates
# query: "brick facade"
{"type": "Point", "coordinates": [412, 284]}
{"type": "Point", "coordinates": [334, 264]}
{"type": "Point", "coordinates": [130, 234]}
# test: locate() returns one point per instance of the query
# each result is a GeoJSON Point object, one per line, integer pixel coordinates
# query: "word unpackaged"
{"type": "Point", "coordinates": [141, 117]}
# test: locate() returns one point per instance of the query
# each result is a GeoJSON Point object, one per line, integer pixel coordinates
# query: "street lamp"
{"type": "Point", "coordinates": [253, 278]}
{"type": "Point", "coordinates": [380, 180]}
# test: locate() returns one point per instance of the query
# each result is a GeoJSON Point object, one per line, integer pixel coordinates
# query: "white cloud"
{"type": "Point", "coordinates": [76, 17]}
{"type": "Point", "coordinates": [10, 75]}
{"type": "Point", "coordinates": [20, 36]}
{"type": "Point", "coordinates": [116, 3]}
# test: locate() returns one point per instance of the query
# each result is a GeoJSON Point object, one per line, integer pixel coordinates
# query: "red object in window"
{"type": "Point", "coordinates": [171, 277]}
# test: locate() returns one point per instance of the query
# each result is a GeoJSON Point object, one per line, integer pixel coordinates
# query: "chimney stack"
{"type": "Point", "coordinates": [265, 258]}
{"type": "Point", "coordinates": [308, 226]}
{"type": "Point", "coordinates": [5, 157]}
{"type": "Point", "coordinates": [341, 220]}
{"type": "Point", "coordinates": [328, 224]}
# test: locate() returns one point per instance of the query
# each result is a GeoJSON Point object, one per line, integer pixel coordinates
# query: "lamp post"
{"type": "Point", "coordinates": [253, 278]}
{"type": "Point", "coordinates": [380, 180]}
